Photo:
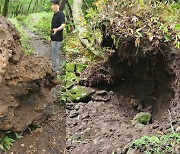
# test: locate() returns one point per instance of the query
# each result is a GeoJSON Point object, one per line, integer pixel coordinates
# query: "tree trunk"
{"type": "Point", "coordinates": [5, 8]}
{"type": "Point", "coordinates": [62, 5]}
{"type": "Point", "coordinates": [69, 16]}
{"type": "Point", "coordinates": [78, 18]}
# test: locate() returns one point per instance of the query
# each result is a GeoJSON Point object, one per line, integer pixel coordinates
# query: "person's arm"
{"type": "Point", "coordinates": [59, 28]}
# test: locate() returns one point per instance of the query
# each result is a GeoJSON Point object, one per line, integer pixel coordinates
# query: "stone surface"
{"type": "Point", "coordinates": [178, 129]}
{"type": "Point", "coordinates": [73, 114]}
{"type": "Point", "coordinates": [80, 93]}
{"type": "Point", "coordinates": [142, 118]}
{"type": "Point", "coordinates": [101, 95]}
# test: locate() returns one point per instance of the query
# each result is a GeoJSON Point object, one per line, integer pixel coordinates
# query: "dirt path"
{"type": "Point", "coordinates": [49, 138]}
{"type": "Point", "coordinates": [40, 47]}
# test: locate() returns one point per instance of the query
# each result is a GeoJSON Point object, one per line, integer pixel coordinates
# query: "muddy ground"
{"type": "Point", "coordinates": [27, 102]}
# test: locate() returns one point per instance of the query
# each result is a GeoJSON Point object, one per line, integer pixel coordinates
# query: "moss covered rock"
{"type": "Point", "coordinates": [80, 93]}
{"type": "Point", "coordinates": [142, 118]}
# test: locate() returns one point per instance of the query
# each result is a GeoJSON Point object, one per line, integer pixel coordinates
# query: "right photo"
{"type": "Point", "coordinates": [122, 88]}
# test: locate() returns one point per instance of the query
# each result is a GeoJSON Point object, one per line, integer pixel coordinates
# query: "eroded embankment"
{"type": "Point", "coordinates": [25, 83]}
{"type": "Point", "coordinates": [153, 80]}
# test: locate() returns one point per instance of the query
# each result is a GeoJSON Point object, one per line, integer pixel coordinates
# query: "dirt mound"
{"type": "Point", "coordinates": [25, 83]}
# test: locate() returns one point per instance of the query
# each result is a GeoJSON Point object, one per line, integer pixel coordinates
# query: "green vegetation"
{"type": "Point", "coordinates": [6, 143]}
{"type": "Point", "coordinates": [39, 23]}
{"type": "Point", "coordinates": [150, 25]}
{"type": "Point", "coordinates": [20, 7]}
{"type": "Point", "coordinates": [26, 48]}
{"type": "Point", "coordinates": [159, 144]}
{"type": "Point", "coordinates": [78, 93]}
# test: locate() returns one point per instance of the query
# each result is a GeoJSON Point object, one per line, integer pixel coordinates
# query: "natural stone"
{"type": "Point", "coordinates": [70, 106]}
{"type": "Point", "coordinates": [101, 95]}
{"type": "Point", "coordinates": [73, 114]}
{"type": "Point", "coordinates": [142, 118]}
{"type": "Point", "coordinates": [80, 93]}
{"type": "Point", "coordinates": [178, 129]}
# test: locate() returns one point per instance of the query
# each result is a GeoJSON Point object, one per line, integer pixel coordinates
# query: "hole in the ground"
{"type": "Point", "coordinates": [146, 82]}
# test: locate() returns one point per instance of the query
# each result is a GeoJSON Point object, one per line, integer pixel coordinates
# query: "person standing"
{"type": "Point", "coordinates": [57, 26]}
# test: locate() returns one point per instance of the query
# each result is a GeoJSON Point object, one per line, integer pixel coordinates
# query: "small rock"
{"type": "Point", "coordinates": [177, 149]}
{"type": "Point", "coordinates": [142, 118]}
{"type": "Point", "coordinates": [84, 115]}
{"type": "Point", "coordinates": [70, 106]}
{"type": "Point", "coordinates": [101, 95]}
{"type": "Point", "coordinates": [148, 109]}
{"type": "Point", "coordinates": [178, 129]}
{"type": "Point", "coordinates": [73, 114]}
{"type": "Point", "coordinates": [135, 103]}
{"type": "Point", "coordinates": [126, 147]}
{"type": "Point", "coordinates": [38, 130]}
{"type": "Point", "coordinates": [111, 93]}
{"type": "Point", "coordinates": [74, 123]}
{"type": "Point", "coordinates": [139, 126]}
{"type": "Point", "coordinates": [76, 107]}
{"type": "Point", "coordinates": [155, 126]}
{"type": "Point", "coordinates": [140, 107]}
{"type": "Point", "coordinates": [22, 145]}
{"type": "Point", "coordinates": [131, 151]}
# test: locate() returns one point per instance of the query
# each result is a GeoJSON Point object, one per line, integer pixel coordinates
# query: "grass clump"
{"type": "Point", "coordinates": [159, 144]}
{"type": "Point", "coordinates": [6, 143]}
{"type": "Point", "coordinates": [26, 48]}
{"type": "Point", "coordinates": [39, 23]}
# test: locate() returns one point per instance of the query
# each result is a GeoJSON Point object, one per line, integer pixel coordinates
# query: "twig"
{"type": "Point", "coordinates": [170, 120]}
{"type": "Point", "coordinates": [50, 124]}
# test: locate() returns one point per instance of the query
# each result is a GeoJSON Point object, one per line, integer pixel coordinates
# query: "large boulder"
{"type": "Point", "coordinates": [25, 83]}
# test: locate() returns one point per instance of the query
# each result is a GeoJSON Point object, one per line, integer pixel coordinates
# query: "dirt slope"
{"type": "Point", "coordinates": [26, 98]}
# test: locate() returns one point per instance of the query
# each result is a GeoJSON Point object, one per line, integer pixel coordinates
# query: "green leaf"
{"type": "Point", "coordinates": [177, 27]}
{"type": "Point", "coordinates": [140, 35]}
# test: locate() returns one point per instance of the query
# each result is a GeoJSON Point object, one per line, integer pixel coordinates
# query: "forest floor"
{"type": "Point", "coordinates": [104, 126]}
{"type": "Point", "coordinates": [50, 136]}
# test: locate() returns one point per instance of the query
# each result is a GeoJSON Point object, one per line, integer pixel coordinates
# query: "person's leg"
{"type": "Point", "coordinates": [62, 59]}
{"type": "Point", "coordinates": [58, 61]}
{"type": "Point", "coordinates": [53, 51]}
{"type": "Point", "coordinates": [55, 55]}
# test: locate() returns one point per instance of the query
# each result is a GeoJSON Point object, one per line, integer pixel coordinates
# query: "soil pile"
{"type": "Point", "coordinates": [25, 83]}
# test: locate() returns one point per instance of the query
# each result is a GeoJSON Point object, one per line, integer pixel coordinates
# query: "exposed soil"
{"type": "Point", "coordinates": [49, 138]}
{"type": "Point", "coordinates": [103, 125]}
{"type": "Point", "coordinates": [26, 99]}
